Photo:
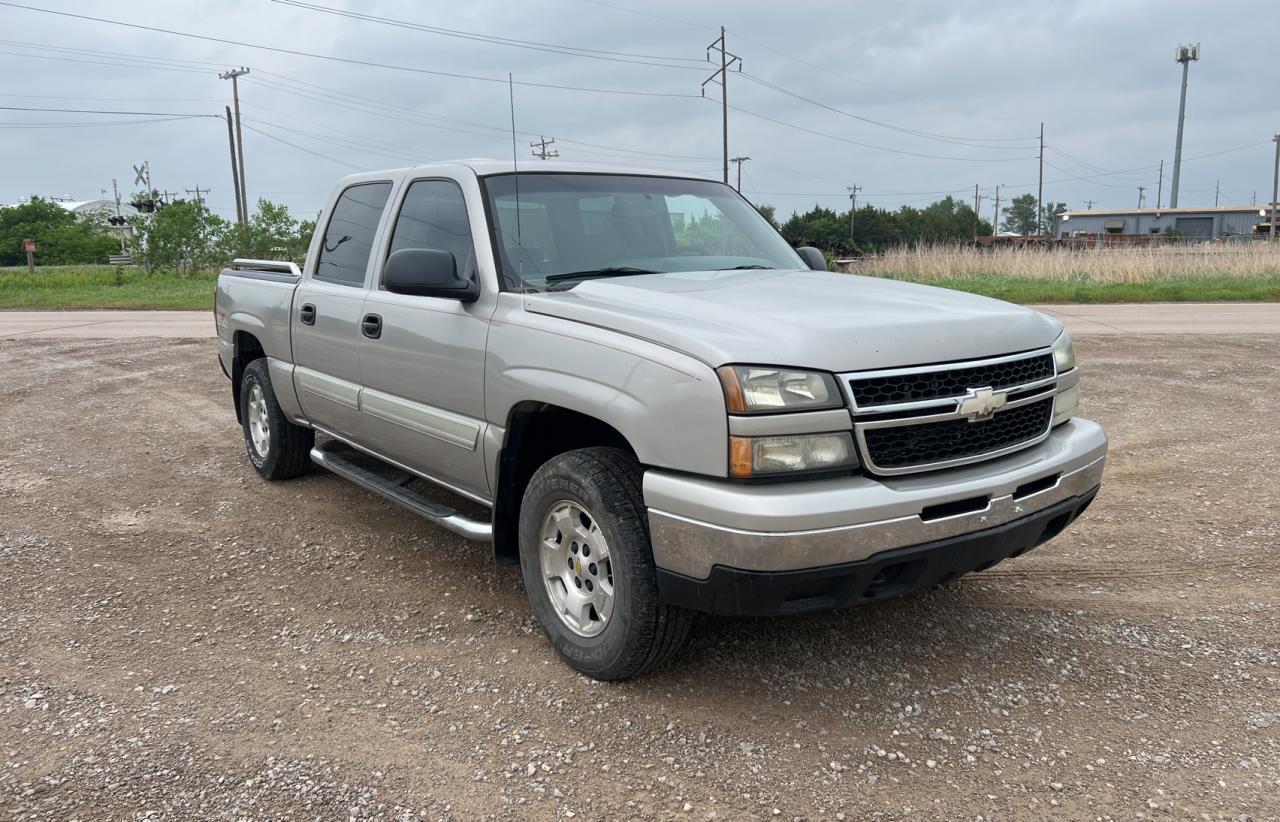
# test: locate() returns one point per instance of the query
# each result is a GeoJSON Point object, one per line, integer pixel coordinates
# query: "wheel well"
{"type": "Point", "coordinates": [536, 432]}
{"type": "Point", "coordinates": [247, 348]}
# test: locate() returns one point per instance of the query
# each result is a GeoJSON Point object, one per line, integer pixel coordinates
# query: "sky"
{"type": "Point", "coordinates": [907, 100]}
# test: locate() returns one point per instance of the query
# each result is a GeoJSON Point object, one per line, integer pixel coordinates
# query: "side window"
{"type": "Point", "coordinates": [434, 215]}
{"type": "Point", "coordinates": [348, 239]}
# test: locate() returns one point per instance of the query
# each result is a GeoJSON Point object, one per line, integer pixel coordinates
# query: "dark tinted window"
{"type": "Point", "coordinates": [348, 239]}
{"type": "Point", "coordinates": [434, 215]}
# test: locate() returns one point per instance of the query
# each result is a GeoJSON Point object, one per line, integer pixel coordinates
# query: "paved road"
{"type": "Point", "coordinates": [1154, 318]}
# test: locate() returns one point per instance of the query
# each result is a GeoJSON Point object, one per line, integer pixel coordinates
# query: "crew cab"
{"type": "Point", "coordinates": [630, 385]}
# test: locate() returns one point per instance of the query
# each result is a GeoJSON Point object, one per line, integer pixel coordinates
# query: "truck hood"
{"type": "Point", "coordinates": [803, 319]}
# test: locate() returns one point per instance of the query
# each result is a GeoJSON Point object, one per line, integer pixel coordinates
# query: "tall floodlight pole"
{"type": "Point", "coordinates": [1184, 54]}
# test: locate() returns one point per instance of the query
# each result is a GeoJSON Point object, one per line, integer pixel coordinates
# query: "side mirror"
{"type": "Point", "coordinates": [813, 258]}
{"type": "Point", "coordinates": [427, 272]}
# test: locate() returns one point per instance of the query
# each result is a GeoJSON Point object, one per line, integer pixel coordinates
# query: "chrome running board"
{"type": "Point", "coordinates": [395, 491]}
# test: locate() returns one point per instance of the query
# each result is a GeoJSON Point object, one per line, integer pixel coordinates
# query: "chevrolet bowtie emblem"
{"type": "Point", "coordinates": [981, 403]}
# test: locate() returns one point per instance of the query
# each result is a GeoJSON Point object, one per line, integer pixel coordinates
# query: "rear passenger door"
{"type": "Point", "coordinates": [423, 375]}
{"type": "Point", "coordinates": [326, 311]}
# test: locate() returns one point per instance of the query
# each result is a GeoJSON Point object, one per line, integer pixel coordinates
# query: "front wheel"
{"type": "Point", "coordinates": [588, 566]}
{"type": "Point", "coordinates": [277, 448]}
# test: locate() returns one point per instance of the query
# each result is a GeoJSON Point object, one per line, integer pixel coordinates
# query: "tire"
{"type": "Point", "coordinates": [632, 630]}
{"type": "Point", "coordinates": [277, 448]}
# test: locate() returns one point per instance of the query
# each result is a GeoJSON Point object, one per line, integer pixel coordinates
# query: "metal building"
{"type": "Point", "coordinates": [1192, 223]}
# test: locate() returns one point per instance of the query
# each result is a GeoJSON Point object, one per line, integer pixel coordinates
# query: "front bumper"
{"type": "Point", "coordinates": [705, 532]}
{"type": "Point", "coordinates": [887, 574]}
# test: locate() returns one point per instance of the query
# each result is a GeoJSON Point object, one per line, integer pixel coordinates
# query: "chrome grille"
{"type": "Point", "coordinates": [910, 445]}
{"type": "Point", "coordinates": [924, 418]}
{"type": "Point", "coordinates": [889, 389]}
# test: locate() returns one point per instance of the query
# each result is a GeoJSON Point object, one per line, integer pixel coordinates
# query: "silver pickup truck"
{"type": "Point", "coordinates": [629, 384]}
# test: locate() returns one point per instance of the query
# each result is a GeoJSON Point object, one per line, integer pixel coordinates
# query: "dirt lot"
{"type": "Point", "coordinates": [180, 639]}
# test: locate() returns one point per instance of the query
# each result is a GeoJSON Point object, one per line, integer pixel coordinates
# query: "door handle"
{"type": "Point", "coordinates": [371, 326]}
{"type": "Point", "coordinates": [307, 313]}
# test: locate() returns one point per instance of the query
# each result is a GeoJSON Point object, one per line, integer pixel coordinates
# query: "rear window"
{"type": "Point", "coordinates": [348, 239]}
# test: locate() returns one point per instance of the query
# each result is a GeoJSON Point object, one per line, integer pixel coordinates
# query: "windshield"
{"type": "Point", "coordinates": [577, 226]}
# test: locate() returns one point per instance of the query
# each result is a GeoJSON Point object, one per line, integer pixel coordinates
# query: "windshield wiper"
{"type": "Point", "coordinates": [744, 267]}
{"type": "Point", "coordinates": [607, 271]}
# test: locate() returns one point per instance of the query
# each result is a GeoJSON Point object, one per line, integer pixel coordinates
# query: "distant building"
{"type": "Point", "coordinates": [1192, 223]}
{"type": "Point", "coordinates": [107, 208]}
{"type": "Point", "coordinates": [104, 209]}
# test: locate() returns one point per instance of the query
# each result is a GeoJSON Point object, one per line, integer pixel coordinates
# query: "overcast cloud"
{"type": "Point", "coordinates": [1099, 74]}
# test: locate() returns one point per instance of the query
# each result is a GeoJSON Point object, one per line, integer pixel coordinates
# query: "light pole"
{"type": "Point", "coordinates": [1184, 54]}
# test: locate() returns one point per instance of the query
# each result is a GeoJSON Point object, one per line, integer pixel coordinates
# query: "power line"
{"type": "Point", "coordinates": [371, 106]}
{"type": "Point", "coordinates": [345, 60]}
{"type": "Point", "coordinates": [878, 148]}
{"type": "Point", "coordinates": [973, 142]}
{"type": "Point", "coordinates": [96, 123]}
{"type": "Point", "coordinates": [301, 148]}
{"type": "Point", "coordinates": [554, 48]}
{"type": "Point", "coordinates": [675, 20]}
{"type": "Point", "coordinates": [103, 111]}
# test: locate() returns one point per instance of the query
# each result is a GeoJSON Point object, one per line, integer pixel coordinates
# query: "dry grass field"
{"type": "Point", "coordinates": [1117, 274]}
{"type": "Point", "coordinates": [1099, 265]}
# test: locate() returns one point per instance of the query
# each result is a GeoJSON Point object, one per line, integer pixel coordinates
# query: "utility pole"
{"type": "Point", "coordinates": [199, 192]}
{"type": "Point", "coordinates": [977, 198]}
{"type": "Point", "coordinates": [1183, 54]}
{"type": "Point", "coordinates": [1040, 191]}
{"type": "Point", "coordinates": [1275, 188]}
{"type": "Point", "coordinates": [235, 174]}
{"type": "Point", "coordinates": [232, 75]}
{"type": "Point", "coordinates": [1160, 188]}
{"type": "Point", "coordinates": [542, 150]}
{"type": "Point", "coordinates": [166, 195]}
{"type": "Point", "coordinates": [995, 221]}
{"type": "Point", "coordinates": [738, 161]}
{"type": "Point", "coordinates": [853, 206]}
{"type": "Point", "coordinates": [721, 75]}
{"type": "Point", "coordinates": [1217, 187]}
{"type": "Point", "coordinates": [1140, 190]}
{"type": "Point", "coordinates": [119, 217]}
{"type": "Point", "coordinates": [1088, 205]}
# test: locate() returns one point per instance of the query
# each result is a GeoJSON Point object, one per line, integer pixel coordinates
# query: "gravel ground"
{"type": "Point", "coordinates": [181, 639]}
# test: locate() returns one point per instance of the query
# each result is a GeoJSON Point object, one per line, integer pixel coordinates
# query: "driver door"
{"type": "Point", "coordinates": [422, 404]}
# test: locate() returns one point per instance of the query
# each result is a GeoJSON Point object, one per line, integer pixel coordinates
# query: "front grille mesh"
{"type": "Point", "coordinates": [921, 445]}
{"type": "Point", "coordinates": [898, 388]}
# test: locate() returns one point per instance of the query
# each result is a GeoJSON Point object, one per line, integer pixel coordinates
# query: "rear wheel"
{"type": "Point", "coordinates": [276, 447]}
{"type": "Point", "coordinates": [588, 566]}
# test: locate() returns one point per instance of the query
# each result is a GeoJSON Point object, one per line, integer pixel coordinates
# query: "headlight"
{"type": "Point", "coordinates": [1063, 353]}
{"type": "Point", "coordinates": [753, 389]}
{"type": "Point", "coordinates": [762, 456]}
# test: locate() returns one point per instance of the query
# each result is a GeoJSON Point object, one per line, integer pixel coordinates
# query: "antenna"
{"type": "Point", "coordinates": [515, 169]}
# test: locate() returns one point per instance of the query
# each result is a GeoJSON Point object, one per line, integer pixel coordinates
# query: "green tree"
{"type": "Point", "coordinates": [62, 238]}
{"type": "Point", "coordinates": [1050, 210]}
{"type": "Point", "coordinates": [769, 213]}
{"type": "Point", "coordinates": [182, 234]}
{"type": "Point", "coordinates": [271, 233]}
{"type": "Point", "coordinates": [1020, 215]}
{"type": "Point", "coordinates": [819, 227]}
